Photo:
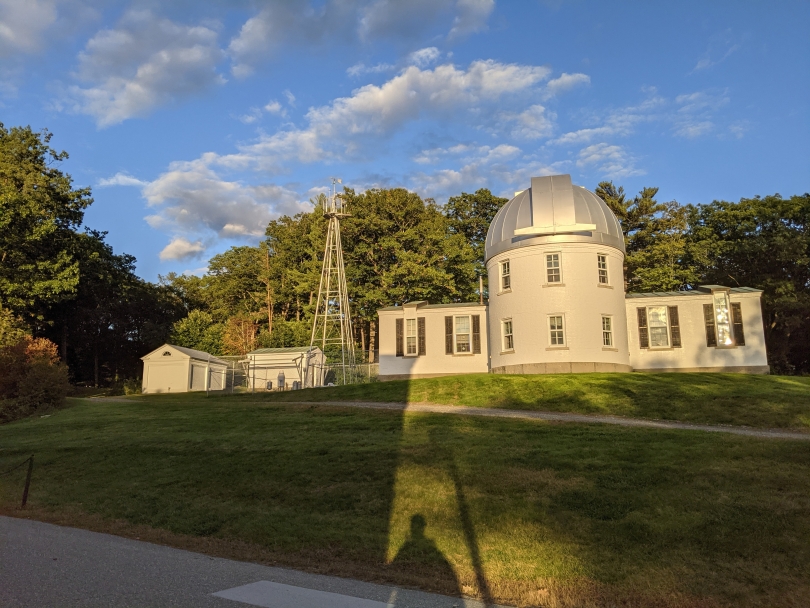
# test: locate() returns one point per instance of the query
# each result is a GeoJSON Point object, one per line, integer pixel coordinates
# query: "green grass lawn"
{"type": "Point", "coordinates": [758, 401]}
{"type": "Point", "coordinates": [526, 512]}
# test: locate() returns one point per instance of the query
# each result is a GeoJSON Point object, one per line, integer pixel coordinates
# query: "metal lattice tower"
{"type": "Point", "coordinates": [332, 324]}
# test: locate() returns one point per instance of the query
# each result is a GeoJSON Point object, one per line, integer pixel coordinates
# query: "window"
{"type": "Point", "coordinates": [658, 326]}
{"type": "Point", "coordinates": [723, 320]}
{"type": "Point", "coordinates": [463, 335]}
{"type": "Point", "coordinates": [553, 271]}
{"type": "Point", "coordinates": [410, 336]}
{"type": "Point", "coordinates": [508, 341]}
{"type": "Point", "coordinates": [722, 317]}
{"type": "Point", "coordinates": [556, 331]}
{"type": "Point", "coordinates": [601, 263]}
{"type": "Point", "coordinates": [607, 331]}
{"type": "Point", "coordinates": [506, 278]}
{"type": "Point", "coordinates": [736, 317]}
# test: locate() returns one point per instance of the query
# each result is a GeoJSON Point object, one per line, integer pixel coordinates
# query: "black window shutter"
{"type": "Point", "coordinates": [420, 332]}
{"type": "Point", "coordinates": [476, 323]}
{"type": "Point", "coordinates": [448, 335]}
{"type": "Point", "coordinates": [736, 317]}
{"type": "Point", "coordinates": [400, 345]}
{"type": "Point", "coordinates": [674, 327]}
{"type": "Point", "coordinates": [643, 334]}
{"type": "Point", "coordinates": [708, 318]}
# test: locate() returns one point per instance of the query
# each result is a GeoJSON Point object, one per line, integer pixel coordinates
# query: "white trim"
{"type": "Point", "coordinates": [504, 334]}
{"type": "Point", "coordinates": [559, 268]}
{"type": "Point", "coordinates": [563, 329]}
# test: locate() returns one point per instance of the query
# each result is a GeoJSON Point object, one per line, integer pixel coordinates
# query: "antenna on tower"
{"type": "Point", "coordinates": [332, 324]}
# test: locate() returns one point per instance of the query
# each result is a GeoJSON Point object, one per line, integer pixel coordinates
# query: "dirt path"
{"type": "Point", "coordinates": [434, 408]}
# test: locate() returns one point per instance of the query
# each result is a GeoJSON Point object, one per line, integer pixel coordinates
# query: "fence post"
{"type": "Point", "coordinates": [27, 481]}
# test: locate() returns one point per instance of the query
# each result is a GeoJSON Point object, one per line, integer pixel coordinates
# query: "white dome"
{"type": "Point", "coordinates": [553, 211]}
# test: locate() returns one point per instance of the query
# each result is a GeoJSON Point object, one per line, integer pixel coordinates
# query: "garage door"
{"type": "Point", "coordinates": [166, 378]}
{"type": "Point", "coordinates": [197, 377]}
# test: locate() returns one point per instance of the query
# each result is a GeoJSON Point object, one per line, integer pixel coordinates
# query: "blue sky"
{"type": "Point", "coordinates": [195, 123]}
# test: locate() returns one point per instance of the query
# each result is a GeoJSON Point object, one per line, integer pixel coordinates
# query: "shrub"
{"type": "Point", "coordinates": [31, 378]}
{"type": "Point", "coordinates": [133, 386]}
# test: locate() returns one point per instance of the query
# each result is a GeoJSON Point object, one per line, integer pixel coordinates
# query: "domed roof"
{"type": "Point", "coordinates": [553, 211]}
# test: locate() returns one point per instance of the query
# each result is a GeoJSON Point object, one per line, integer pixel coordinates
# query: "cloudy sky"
{"type": "Point", "coordinates": [197, 122]}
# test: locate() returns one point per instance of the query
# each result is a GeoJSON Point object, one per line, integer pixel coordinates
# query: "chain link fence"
{"type": "Point", "coordinates": [241, 376]}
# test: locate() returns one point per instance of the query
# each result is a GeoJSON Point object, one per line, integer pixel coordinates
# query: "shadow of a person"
{"type": "Point", "coordinates": [420, 559]}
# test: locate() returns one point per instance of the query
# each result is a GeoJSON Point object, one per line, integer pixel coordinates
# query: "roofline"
{"type": "Point", "coordinates": [692, 292]}
{"type": "Point", "coordinates": [434, 306]}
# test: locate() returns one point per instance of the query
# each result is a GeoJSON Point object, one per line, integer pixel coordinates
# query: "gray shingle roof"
{"type": "Point", "coordinates": [273, 351]}
{"type": "Point", "coordinates": [693, 292]}
{"type": "Point", "coordinates": [450, 305]}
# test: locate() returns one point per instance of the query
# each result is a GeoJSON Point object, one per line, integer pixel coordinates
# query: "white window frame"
{"type": "Point", "coordinates": [507, 338]}
{"type": "Point", "coordinates": [411, 338]}
{"type": "Point", "coordinates": [607, 331]}
{"type": "Point", "coordinates": [599, 270]}
{"type": "Point", "coordinates": [468, 334]}
{"type": "Point", "coordinates": [551, 331]}
{"type": "Point", "coordinates": [723, 318]}
{"type": "Point", "coordinates": [652, 346]}
{"type": "Point", "coordinates": [506, 276]}
{"type": "Point", "coordinates": [559, 268]}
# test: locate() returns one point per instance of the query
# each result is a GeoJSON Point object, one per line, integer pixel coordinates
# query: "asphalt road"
{"type": "Point", "coordinates": [43, 566]}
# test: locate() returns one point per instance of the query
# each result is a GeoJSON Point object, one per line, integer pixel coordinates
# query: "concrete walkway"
{"type": "Point", "coordinates": [43, 566]}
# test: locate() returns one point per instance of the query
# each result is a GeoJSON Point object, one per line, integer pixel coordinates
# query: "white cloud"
{"type": "Point", "coordinates": [532, 123]}
{"type": "Point", "coordinates": [144, 62]}
{"type": "Point", "coordinates": [424, 57]}
{"type": "Point", "coordinates": [182, 249]}
{"type": "Point", "coordinates": [120, 179]}
{"type": "Point", "coordinates": [290, 98]}
{"type": "Point", "coordinates": [721, 47]}
{"type": "Point", "coordinates": [251, 116]}
{"type": "Point", "coordinates": [192, 198]}
{"type": "Point", "coordinates": [23, 24]}
{"type": "Point", "coordinates": [358, 69]}
{"type": "Point", "coordinates": [274, 107]}
{"type": "Point", "coordinates": [565, 82]}
{"type": "Point", "coordinates": [610, 160]}
{"type": "Point", "coordinates": [397, 19]}
{"type": "Point", "coordinates": [620, 122]}
{"type": "Point", "coordinates": [472, 16]}
{"type": "Point", "coordinates": [701, 101]}
{"type": "Point", "coordinates": [336, 130]}
{"type": "Point", "coordinates": [692, 130]}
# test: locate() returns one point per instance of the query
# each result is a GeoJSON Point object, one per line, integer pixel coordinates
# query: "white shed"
{"type": "Point", "coordinates": [176, 369]}
{"type": "Point", "coordinates": [280, 368]}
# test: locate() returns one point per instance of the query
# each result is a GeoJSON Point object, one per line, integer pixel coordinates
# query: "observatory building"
{"type": "Point", "coordinates": [554, 258]}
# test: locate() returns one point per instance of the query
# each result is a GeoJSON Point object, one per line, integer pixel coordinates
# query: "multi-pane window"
{"type": "Point", "coordinates": [410, 336]}
{"type": "Point", "coordinates": [463, 334]}
{"type": "Point", "coordinates": [553, 271]}
{"type": "Point", "coordinates": [506, 277]}
{"type": "Point", "coordinates": [722, 316]}
{"type": "Point", "coordinates": [601, 263]}
{"type": "Point", "coordinates": [658, 326]}
{"type": "Point", "coordinates": [508, 342]}
{"type": "Point", "coordinates": [607, 331]}
{"type": "Point", "coordinates": [556, 331]}
{"type": "Point", "coordinates": [723, 320]}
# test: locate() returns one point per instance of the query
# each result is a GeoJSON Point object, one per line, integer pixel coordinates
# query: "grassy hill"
{"type": "Point", "coordinates": [759, 401]}
{"type": "Point", "coordinates": [524, 512]}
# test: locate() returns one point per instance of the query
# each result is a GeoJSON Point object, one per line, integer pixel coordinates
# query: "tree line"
{"type": "Point", "coordinates": [63, 282]}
